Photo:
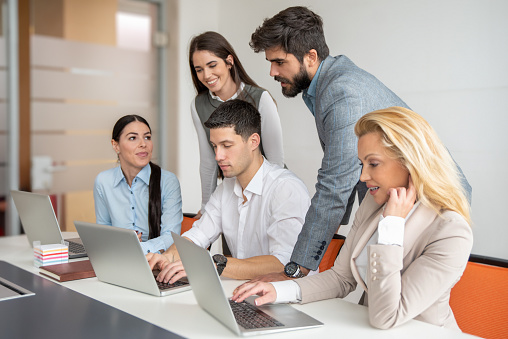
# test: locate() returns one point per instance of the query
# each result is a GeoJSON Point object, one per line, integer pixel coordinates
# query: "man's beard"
{"type": "Point", "coordinates": [300, 82]}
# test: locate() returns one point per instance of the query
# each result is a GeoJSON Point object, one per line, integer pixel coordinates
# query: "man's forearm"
{"type": "Point", "coordinates": [172, 253]}
{"type": "Point", "coordinates": [251, 267]}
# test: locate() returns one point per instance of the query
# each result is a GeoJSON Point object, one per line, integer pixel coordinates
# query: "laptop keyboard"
{"type": "Point", "coordinates": [75, 247]}
{"type": "Point", "coordinates": [165, 286]}
{"type": "Point", "coordinates": [250, 317]}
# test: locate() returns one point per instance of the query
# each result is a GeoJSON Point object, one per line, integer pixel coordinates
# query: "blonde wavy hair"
{"type": "Point", "coordinates": [410, 140]}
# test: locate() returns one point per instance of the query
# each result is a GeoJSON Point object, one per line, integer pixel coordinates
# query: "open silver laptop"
{"type": "Point", "coordinates": [39, 221]}
{"type": "Point", "coordinates": [210, 295]}
{"type": "Point", "coordinates": [117, 258]}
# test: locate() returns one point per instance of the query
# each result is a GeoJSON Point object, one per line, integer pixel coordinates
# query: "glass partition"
{"type": "Point", "coordinates": [3, 120]}
{"type": "Point", "coordinates": [82, 80]}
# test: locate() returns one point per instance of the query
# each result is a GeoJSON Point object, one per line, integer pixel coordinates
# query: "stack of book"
{"type": "Point", "coordinates": [50, 254]}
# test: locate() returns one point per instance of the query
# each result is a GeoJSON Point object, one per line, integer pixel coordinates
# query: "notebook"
{"type": "Point", "coordinates": [210, 295]}
{"type": "Point", "coordinates": [39, 221]}
{"type": "Point", "coordinates": [117, 258]}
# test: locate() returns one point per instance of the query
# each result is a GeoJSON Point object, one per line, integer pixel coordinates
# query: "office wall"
{"type": "Point", "coordinates": [186, 19]}
{"type": "Point", "coordinates": [446, 59]}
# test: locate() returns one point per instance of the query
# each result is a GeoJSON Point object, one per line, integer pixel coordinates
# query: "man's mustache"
{"type": "Point", "coordinates": [281, 79]}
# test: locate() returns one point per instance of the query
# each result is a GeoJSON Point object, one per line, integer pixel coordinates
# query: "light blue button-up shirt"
{"type": "Point", "coordinates": [117, 204]}
{"type": "Point", "coordinates": [309, 94]}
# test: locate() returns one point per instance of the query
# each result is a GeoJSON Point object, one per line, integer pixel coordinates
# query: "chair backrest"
{"type": "Point", "coordinates": [187, 224]}
{"type": "Point", "coordinates": [331, 252]}
{"type": "Point", "coordinates": [479, 300]}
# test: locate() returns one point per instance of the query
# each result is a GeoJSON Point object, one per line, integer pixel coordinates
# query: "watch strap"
{"type": "Point", "coordinates": [220, 261]}
{"type": "Point", "coordinates": [298, 273]}
{"type": "Point", "coordinates": [220, 268]}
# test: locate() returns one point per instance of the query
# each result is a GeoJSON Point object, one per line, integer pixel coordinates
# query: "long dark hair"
{"type": "Point", "coordinates": [215, 43]}
{"type": "Point", "coordinates": [154, 187]}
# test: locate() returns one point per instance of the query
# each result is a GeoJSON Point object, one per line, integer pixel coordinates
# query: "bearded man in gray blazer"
{"type": "Point", "coordinates": [337, 93]}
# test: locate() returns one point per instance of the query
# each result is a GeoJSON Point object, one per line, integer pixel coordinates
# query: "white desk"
{"type": "Point", "coordinates": [181, 314]}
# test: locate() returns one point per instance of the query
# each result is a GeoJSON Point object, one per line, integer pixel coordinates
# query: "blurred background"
{"type": "Point", "coordinates": [77, 66]}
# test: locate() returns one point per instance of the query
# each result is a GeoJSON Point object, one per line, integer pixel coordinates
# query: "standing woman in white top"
{"type": "Point", "coordinates": [219, 76]}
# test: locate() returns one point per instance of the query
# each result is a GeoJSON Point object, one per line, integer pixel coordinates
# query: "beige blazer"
{"type": "Point", "coordinates": [403, 283]}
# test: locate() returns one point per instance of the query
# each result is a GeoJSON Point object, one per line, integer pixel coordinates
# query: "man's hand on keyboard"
{"type": "Point", "coordinates": [172, 272]}
{"type": "Point", "coordinates": [157, 261]}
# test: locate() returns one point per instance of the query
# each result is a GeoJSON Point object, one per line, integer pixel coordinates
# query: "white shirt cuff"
{"type": "Point", "coordinates": [288, 291]}
{"type": "Point", "coordinates": [391, 230]}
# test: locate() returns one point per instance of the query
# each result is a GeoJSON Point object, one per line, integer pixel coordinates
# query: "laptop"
{"type": "Point", "coordinates": [117, 258]}
{"type": "Point", "coordinates": [210, 295]}
{"type": "Point", "coordinates": [40, 224]}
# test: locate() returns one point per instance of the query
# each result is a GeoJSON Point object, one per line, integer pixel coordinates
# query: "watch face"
{"type": "Point", "coordinates": [220, 259]}
{"type": "Point", "coordinates": [290, 268]}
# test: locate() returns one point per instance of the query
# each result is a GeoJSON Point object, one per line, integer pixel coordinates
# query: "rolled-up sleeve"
{"type": "Point", "coordinates": [208, 228]}
{"type": "Point", "coordinates": [288, 206]}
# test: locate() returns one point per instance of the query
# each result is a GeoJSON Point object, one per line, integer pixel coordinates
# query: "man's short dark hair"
{"type": "Point", "coordinates": [296, 30]}
{"type": "Point", "coordinates": [239, 114]}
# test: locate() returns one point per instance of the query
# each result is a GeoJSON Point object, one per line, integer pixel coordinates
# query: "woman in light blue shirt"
{"type": "Point", "coordinates": [138, 195]}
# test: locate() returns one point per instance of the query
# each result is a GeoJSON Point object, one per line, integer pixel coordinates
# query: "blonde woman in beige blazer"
{"type": "Point", "coordinates": [411, 237]}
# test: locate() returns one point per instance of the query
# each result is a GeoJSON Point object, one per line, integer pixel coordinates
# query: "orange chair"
{"type": "Point", "coordinates": [479, 300]}
{"type": "Point", "coordinates": [331, 252]}
{"type": "Point", "coordinates": [187, 224]}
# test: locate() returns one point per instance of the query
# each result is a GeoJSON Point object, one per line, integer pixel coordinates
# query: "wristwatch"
{"type": "Point", "coordinates": [221, 262]}
{"type": "Point", "coordinates": [293, 270]}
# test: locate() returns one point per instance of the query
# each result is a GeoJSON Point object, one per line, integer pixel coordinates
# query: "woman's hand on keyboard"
{"type": "Point", "coordinates": [266, 292]}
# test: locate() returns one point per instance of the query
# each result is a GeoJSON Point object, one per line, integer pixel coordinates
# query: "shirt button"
{"type": "Point", "coordinates": [322, 248]}
{"type": "Point", "coordinates": [133, 224]}
{"type": "Point", "coordinates": [319, 252]}
{"type": "Point", "coordinates": [374, 270]}
{"type": "Point", "coordinates": [374, 255]}
{"type": "Point", "coordinates": [374, 263]}
{"type": "Point", "coordinates": [374, 278]}
{"type": "Point", "coordinates": [132, 192]}
{"type": "Point", "coordinates": [316, 257]}
{"type": "Point", "coordinates": [132, 207]}
{"type": "Point", "coordinates": [323, 243]}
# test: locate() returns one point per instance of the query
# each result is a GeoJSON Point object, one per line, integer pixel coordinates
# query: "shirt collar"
{"type": "Point", "coordinates": [144, 175]}
{"type": "Point", "coordinates": [255, 185]}
{"type": "Point", "coordinates": [311, 91]}
{"type": "Point", "coordinates": [240, 89]}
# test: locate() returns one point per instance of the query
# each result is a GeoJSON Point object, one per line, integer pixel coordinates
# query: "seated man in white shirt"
{"type": "Point", "coordinates": [259, 207]}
